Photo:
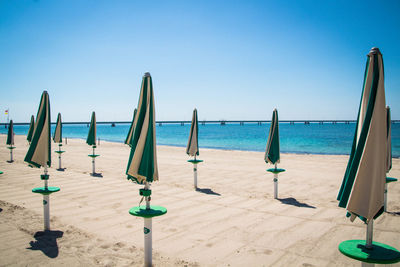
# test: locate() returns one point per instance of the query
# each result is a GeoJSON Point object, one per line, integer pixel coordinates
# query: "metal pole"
{"type": "Point", "coordinates": [46, 205]}
{"type": "Point", "coordinates": [385, 197]}
{"type": "Point", "coordinates": [147, 233]}
{"type": "Point", "coordinates": [195, 175]}
{"type": "Point", "coordinates": [59, 157]}
{"type": "Point", "coordinates": [370, 226]}
{"type": "Point", "coordinates": [93, 164]}
{"type": "Point", "coordinates": [11, 154]}
{"type": "Point", "coordinates": [275, 184]}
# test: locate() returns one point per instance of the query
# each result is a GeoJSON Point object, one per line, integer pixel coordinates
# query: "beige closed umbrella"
{"type": "Point", "coordinates": [363, 186]}
{"type": "Point", "coordinates": [192, 148]}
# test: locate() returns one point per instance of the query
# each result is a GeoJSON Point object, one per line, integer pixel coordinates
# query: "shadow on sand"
{"type": "Point", "coordinates": [61, 169]}
{"type": "Point", "coordinates": [207, 191]}
{"type": "Point", "coordinates": [97, 175]}
{"type": "Point", "coordinates": [393, 213]}
{"type": "Point", "coordinates": [46, 241]}
{"type": "Point", "coordinates": [292, 201]}
{"type": "Point", "coordinates": [10, 161]}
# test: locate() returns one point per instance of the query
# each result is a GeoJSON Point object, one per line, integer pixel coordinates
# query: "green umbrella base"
{"type": "Point", "coordinates": [1, 172]}
{"type": "Point", "coordinates": [273, 170]}
{"type": "Point", "coordinates": [44, 191]}
{"type": "Point", "coordinates": [195, 161]}
{"type": "Point", "coordinates": [93, 156]}
{"type": "Point", "coordinates": [141, 211]}
{"type": "Point", "coordinates": [59, 152]}
{"type": "Point", "coordinates": [380, 253]}
{"type": "Point", "coordinates": [11, 147]}
{"type": "Point", "coordinates": [390, 179]}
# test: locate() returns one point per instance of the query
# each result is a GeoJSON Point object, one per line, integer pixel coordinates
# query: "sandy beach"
{"type": "Point", "coordinates": [232, 220]}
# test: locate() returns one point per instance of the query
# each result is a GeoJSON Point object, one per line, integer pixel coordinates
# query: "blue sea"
{"type": "Point", "coordinates": [299, 138]}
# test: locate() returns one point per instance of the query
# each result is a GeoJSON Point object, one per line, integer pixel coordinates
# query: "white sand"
{"type": "Point", "coordinates": [233, 220]}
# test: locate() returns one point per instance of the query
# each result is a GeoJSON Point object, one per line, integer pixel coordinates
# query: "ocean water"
{"type": "Point", "coordinates": [300, 138]}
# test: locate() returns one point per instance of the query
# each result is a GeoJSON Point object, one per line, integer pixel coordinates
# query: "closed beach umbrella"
{"type": "Point", "coordinates": [10, 139]}
{"type": "Point", "coordinates": [363, 186]}
{"type": "Point", "coordinates": [272, 152]}
{"type": "Point", "coordinates": [131, 129]}
{"type": "Point", "coordinates": [39, 153]}
{"type": "Point", "coordinates": [142, 164]}
{"type": "Point", "coordinates": [389, 140]}
{"type": "Point", "coordinates": [192, 148]}
{"type": "Point", "coordinates": [57, 138]}
{"type": "Point", "coordinates": [31, 128]}
{"type": "Point", "coordinates": [91, 141]}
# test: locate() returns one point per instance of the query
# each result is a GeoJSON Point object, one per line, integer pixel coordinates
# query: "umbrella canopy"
{"type": "Point", "coordinates": [10, 135]}
{"type": "Point", "coordinates": [58, 132]}
{"type": "Point", "coordinates": [389, 140]}
{"type": "Point", "coordinates": [363, 186]}
{"type": "Point", "coordinates": [31, 127]}
{"type": "Point", "coordinates": [131, 129]}
{"type": "Point", "coordinates": [39, 152]}
{"type": "Point", "coordinates": [142, 164]}
{"type": "Point", "coordinates": [192, 148]}
{"type": "Point", "coordinates": [91, 139]}
{"type": "Point", "coordinates": [272, 154]}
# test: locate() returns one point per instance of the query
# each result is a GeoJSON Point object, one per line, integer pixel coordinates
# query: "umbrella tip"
{"type": "Point", "coordinates": [375, 50]}
{"type": "Point", "coordinates": [147, 74]}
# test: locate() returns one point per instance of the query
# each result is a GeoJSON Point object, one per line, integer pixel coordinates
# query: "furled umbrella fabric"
{"type": "Point", "coordinates": [362, 189]}
{"type": "Point", "coordinates": [192, 148]}
{"type": "Point", "coordinates": [389, 140]}
{"type": "Point", "coordinates": [57, 138]}
{"type": "Point", "coordinates": [10, 134]}
{"type": "Point", "coordinates": [31, 128]}
{"type": "Point", "coordinates": [39, 152]}
{"type": "Point", "coordinates": [272, 153]}
{"type": "Point", "coordinates": [128, 139]}
{"type": "Point", "coordinates": [91, 139]}
{"type": "Point", "coordinates": [142, 164]}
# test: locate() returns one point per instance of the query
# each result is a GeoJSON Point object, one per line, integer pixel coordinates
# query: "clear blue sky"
{"type": "Point", "coordinates": [230, 59]}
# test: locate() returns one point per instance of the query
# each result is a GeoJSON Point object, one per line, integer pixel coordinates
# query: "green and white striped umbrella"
{"type": "Point", "coordinates": [39, 152]}
{"type": "Point", "coordinates": [192, 148]}
{"type": "Point", "coordinates": [10, 135]}
{"type": "Point", "coordinates": [363, 186]}
{"type": "Point", "coordinates": [57, 138]}
{"type": "Point", "coordinates": [128, 139]}
{"type": "Point", "coordinates": [272, 153]}
{"type": "Point", "coordinates": [142, 164]}
{"type": "Point", "coordinates": [31, 128]}
{"type": "Point", "coordinates": [91, 139]}
{"type": "Point", "coordinates": [389, 140]}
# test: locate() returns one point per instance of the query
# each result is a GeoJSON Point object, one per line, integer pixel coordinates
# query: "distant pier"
{"type": "Point", "coordinates": [221, 122]}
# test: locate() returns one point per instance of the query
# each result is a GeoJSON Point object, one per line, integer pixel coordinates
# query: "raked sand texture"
{"type": "Point", "coordinates": [232, 220]}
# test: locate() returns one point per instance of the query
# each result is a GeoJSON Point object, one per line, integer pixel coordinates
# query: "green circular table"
{"type": "Point", "coordinates": [379, 253]}
{"type": "Point", "coordinates": [195, 161]}
{"type": "Point", "coordinates": [59, 152]}
{"type": "Point", "coordinates": [390, 179]}
{"type": "Point", "coordinates": [141, 211]}
{"type": "Point", "coordinates": [273, 170]}
{"type": "Point", "coordinates": [11, 147]}
{"type": "Point", "coordinates": [1, 172]}
{"type": "Point", "coordinates": [45, 191]}
{"type": "Point", "coordinates": [93, 156]}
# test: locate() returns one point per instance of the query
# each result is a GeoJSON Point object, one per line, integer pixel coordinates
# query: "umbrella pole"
{"type": "Point", "coordinates": [59, 156]}
{"type": "Point", "coordinates": [93, 164]}
{"type": "Point", "coordinates": [276, 183]}
{"type": "Point", "coordinates": [46, 204]}
{"type": "Point", "coordinates": [11, 154]}
{"type": "Point", "coordinates": [370, 226]}
{"type": "Point", "coordinates": [147, 233]}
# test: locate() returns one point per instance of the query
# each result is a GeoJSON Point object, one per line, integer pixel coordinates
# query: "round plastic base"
{"type": "Point", "coordinates": [379, 253]}
{"type": "Point", "coordinates": [59, 152]}
{"type": "Point", "coordinates": [195, 161]}
{"type": "Point", "coordinates": [1, 172]}
{"type": "Point", "coordinates": [43, 191]}
{"type": "Point", "coordinates": [93, 156]}
{"type": "Point", "coordinates": [141, 211]}
{"type": "Point", "coordinates": [11, 147]}
{"type": "Point", "coordinates": [390, 179]}
{"type": "Point", "coordinates": [273, 170]}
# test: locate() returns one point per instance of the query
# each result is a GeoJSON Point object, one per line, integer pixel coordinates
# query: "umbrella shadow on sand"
{"type": "Point", "coordinates": [97, 175]}
{"type": "Point", "coordinates": [292, 201]}
{"type": "Point", "coordinates": [61, 169]}
{"type": "Point", "coordinates": [393, 213]}
{"type": "Point", "coordinates": [207, 191]}
{"type": "Point", "coordinates": [46, 241]}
